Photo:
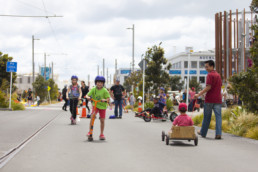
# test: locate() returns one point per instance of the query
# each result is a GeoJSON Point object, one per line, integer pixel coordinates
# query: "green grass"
{"type": "Point", "coordinates": [235, 121]}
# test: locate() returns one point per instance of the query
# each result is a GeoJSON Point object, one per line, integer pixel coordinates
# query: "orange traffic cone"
{"type": "Point", "coordinates": [83, 110]}
{"type": "Point", "coordinates": [140, 106]}
{"type": "Point", "coordinates": [77, 113]}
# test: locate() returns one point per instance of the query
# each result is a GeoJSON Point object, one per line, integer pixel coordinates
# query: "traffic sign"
{"type": "Point", "coordinates": [141, 64]}
{"type": "Point", "coordinates": [11, 67]}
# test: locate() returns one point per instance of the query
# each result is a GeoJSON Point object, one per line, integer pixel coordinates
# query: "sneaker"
{"type": "Point", "coordinates": [120, 117]}
{"type": "Point", "coordinates": [102, 137]}
{"type": "Point", "coordinates": [218, 137]}
{"type": "Point", "coordinates": [199, 133]}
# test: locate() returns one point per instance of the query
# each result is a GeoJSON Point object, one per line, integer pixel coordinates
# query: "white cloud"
{"type": "Point", "coordinates": [93, 30]}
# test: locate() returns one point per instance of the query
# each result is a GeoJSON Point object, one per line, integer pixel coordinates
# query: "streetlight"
{"type": "Point", "coordinates": [189, 50]}
{"type": "Point", "coordinates": [132, 48]}
{"type": "Point", "coordinates": [33, 66]}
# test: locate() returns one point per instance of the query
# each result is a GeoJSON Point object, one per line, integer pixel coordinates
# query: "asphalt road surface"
{"type": "Point", "coordinates": [131, 145]}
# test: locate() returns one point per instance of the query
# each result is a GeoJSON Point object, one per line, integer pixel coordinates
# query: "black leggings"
{"type": "Point", "coordinates": [73, 106]}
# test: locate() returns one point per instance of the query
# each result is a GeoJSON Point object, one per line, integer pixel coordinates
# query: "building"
{"type": "Point", "coordinates": [124, 73]}
{"type": "Point", "coordinates": [197, 70]}
{"type": "Point", "coordinates": [24, 81]}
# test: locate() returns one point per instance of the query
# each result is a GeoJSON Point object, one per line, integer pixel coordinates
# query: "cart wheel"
{"type": "Point", "coordinates": [163, 136]}
{"type": "Point", "coordinates": [196, 140]}
{"type": "Point", "coordinates": [173, 116]}
{"type": "Point", "coordinates": [198, 109]}
{"type": "Point", "coordinates": [147, 118]}
{"type": "Point", "coordinates": [167, 140]}
{"type": "Point", "coordinates": [189, 140]}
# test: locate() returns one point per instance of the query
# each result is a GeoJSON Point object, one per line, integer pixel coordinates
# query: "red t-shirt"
{"type": "Point", "coordinates": [214, 94]}
{"type": "Point", "coordinates": [183, 120]}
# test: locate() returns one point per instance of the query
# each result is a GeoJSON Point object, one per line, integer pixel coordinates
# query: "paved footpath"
{"type": "Point", "coordinates": [131, 145]}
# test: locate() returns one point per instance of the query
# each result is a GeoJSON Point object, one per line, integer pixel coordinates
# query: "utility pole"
{"type": "Point", "coordinates": [33, 67]}
{"type": "Point", "coordinates": [110, 79]}
{"type": "Point", "coordinates": [45, 65]}
{"type": "Point", "coordinates": [116, 68]}
{"type": "Point", "coordinates": [107, 75]}
{"type": "Point", "coordinates": [89, 80]}
{"type": "Point", "coordinates": [103, 67]}
{"type": "Point", "coordinates": [98, 70]}
{"type": "Point", "coordinates": [52, 70]}
{"type": "Point", "coordinates": [133, 29]}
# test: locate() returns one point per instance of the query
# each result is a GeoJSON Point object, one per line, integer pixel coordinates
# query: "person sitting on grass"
{"type": "Point", "coordinates": [183, 119]}
{"type": "Point", "coordinates": [158, 107]}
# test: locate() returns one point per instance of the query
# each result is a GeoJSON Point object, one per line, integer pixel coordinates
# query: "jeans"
{"type": "Point", "coordinates": [118, 103]}
{"type": "Point", "coordinates": [73, 106]}
{"type": "Point", "coordinates": [208, 107]}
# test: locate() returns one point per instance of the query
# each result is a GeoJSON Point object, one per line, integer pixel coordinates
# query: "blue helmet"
{"type": "Point", "coordinates": [162, 88]}
{"type": "Point", "coordinates": [74, 77]}
{"type": "Point", "coordinates": [101, 79]}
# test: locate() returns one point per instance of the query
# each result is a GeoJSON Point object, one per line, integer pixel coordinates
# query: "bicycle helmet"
{"type": "Point", "coordinates": [162, 88]}
{"type": "Point", "coordinates": [101, 79]}
{"type": "Point", "coordinates": [74, 77]}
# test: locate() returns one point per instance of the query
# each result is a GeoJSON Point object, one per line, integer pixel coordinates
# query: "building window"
{"type": "Point", "coordinates": [194, 64]}
{"type": "Point", "coordinates": [176, 65]}
{"type": "Point", "coordinates": [186, 64]}
{"type": "Point", "coordinates": [201, 64]}
{"type": "Point", "coordinates": [28, 80]}
{"type": "Point", "coordinates": [194, 78]}
{"type": "Point", "coordinates": [179, 65]}
{"type": "Point", "coordinates": [202, 79]}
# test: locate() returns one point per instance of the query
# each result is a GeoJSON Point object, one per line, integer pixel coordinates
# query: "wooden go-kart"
{"type": "Point", "coordinates": [180, 133]}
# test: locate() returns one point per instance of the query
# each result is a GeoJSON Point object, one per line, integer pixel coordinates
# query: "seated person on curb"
{"type": "Point", "coordinates": [183, 119]}
{"type": "Point", "coordinates": [158, 108]}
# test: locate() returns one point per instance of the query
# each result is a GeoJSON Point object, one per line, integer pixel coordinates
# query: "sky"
{"type": "Point", "coordinates": [91, 30]}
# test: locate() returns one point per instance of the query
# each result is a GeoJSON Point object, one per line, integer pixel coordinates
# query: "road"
{"type": "Point", "coordinates": [131, 145]}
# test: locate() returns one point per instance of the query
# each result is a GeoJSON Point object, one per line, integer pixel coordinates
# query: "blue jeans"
{"type": "Point", "coordinates": [208, 107]}
{"type": "Point", "coordinates": [118, 103]}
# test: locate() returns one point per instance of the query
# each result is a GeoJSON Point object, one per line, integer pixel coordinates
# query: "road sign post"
{"type": "Point", "coordinates": [11, 67]}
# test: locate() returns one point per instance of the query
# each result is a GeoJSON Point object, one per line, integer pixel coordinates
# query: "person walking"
{"type": "Point", "coordinates": [85, 90]}
{"type": "Point", "coordinates": [64, 97]}
{"type": "Point", "coordinates": [191, 98]}
{"type": "Point", "coordinates": [213, 100]}
{"type": "Point", "coordinates": [117, 92]}
{"type": "Point", "coordinates": [132, 101]}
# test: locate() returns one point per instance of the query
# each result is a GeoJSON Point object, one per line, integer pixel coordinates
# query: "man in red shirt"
{"type": "Point", "coordinates": [213, 100]}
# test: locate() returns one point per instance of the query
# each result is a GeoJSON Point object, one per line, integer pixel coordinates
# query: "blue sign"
{"type": "Point", "coordinates": [125, 71]}
{"type": "Point", "coordinates": [11, 67]}
{"type": "Point", "coordinates": [203, 72]}
{"type": "Point", "coordinates": [175, 72]}
{"type": "Point", "coordinates": [48, 72]}
{"type": "Point", "coordinates": [192, 72]}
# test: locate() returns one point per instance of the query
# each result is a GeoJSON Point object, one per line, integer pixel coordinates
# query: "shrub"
{"type": "Point", "coordinates": [128, 107]}
{"type": "Point", "coordinates": [3, 102]}
{"type": "Point", "coordinates": [252, 133]}
{"type": "Point", "coordinates": [198, 119]}
{"type": "Point", "coordinates": [17, 106]}
{"type": "Point", "coordinates": [169, 104]}
{"type": "Point", "coordinates": [148, 105]}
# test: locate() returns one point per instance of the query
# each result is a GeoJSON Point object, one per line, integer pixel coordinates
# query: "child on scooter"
{"type": "Point", "coordinates": [99, 93]}
{"type": "Point", "coordinates": [75, 94]}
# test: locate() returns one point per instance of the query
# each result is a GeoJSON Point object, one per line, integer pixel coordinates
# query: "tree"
{"type": "Point", "coordinates": [245, 84]}
{"type": "Point", "coordinates": [134, 79]}
{"type": "Point", "coordinates": [157, 67]}
{"type": "Point", "coordinates": [5, 76]}
{"type": "Point", "coordinates": [54, 89]}
{"type": "Point", "coordinates": [175, 83]}
{"type": "Point", "coordinates": [195, 84]}
{"type": "Point", "coordinates": [40, 87]}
